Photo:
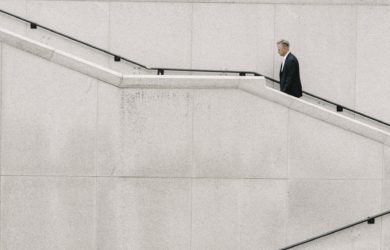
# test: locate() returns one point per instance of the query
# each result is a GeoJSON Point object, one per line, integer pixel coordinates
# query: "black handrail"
{"type": "Point", "coordinates": [160, 71]}
{"type": "Point", "coordinates": [34, 25]}
{"type": "Point", "coordinates": [339, 107]}
{"type": "Point", "coordinates": [369, 220]}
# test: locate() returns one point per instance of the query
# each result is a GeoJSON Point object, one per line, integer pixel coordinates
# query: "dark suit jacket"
{"type": "Point", "coordinates": [290, 81]}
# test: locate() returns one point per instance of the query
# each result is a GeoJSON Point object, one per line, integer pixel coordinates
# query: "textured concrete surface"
{"type": "Point", "coordinates": [223, 150]}
{"type": "Point", "coordinates": [86, 67]}
{"type": "Point", "coordinates": [372, 74]}
{"type": "Point", "coordinates": [263, 207]}
{"type": "Point", "coordinates": [245, 34]}
{"type": "Point", "coordinates": [48, 117]}
{"type": "Point", "coordinates": [109, 133]}
{"type": "Point", "coordinates": [156, 133]}
{"type": "Point", "coordinates": [320, 150]}
{"type": "Point", "coordinates": [215, 214]}
{"type": "Point", "coordinates": [70, 18]}
{"type": "Point", "coordinates": [231, 129]}
{"type": "Point", "coordinates": [47, 212]}
{"type": "Point", "coordinates": [386, 219]}
{"type": "Point", "coordinates": [28, 45]}
{"type": "Point", "coordinates": [311, 2]}
{"type": "Point", "coordinates": [238, 214]}
{"type": "Point", "coordinates": [188, 82]}
{"type": "Point", "coordinates": [143, 213]}
{"type": "Point", "coordinates": [386, 163]}
{"type": "Point", "coordinates": [318, 206]}
{"type": "Point", "coordinates": [17, 8]}
{"type": "Point", "coordinates": [363, 236]}
{"type": "Point", "coordinates": [162, 38]}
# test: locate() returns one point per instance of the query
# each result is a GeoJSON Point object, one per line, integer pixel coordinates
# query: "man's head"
{"type": "Point", "coordinates": [283, 47]}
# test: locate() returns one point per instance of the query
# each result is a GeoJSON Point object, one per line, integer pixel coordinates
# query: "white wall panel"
{"type": "Point", "coordinates": [263, 214]}
{"type": "Point", "coordinates": [154, 34]}
{"type": "Point", "coordinates": [109, 133]}
{"type": "Point", "coordinates": [233, 37]}
{"type": "Point", "coordinates": [215, 213]}
{"type": "Point", "coordinates": [319, 206]}
{"type": "Point", "coordinates": [239, 135]}
{"type": "Point", "coordinates": [311, 2]}
{"type": "Point", "coordinates": [362, 236]}
{"type": "Point", "coordinates": [48, 117]}
{"type": "Point", "coordinates": [386, 219]}
{"type": "Point", "coordinates": [144, 213]}
{"type": "Point", "coordinates": [156, 133]}
{"type": "Point", "coordinates": [320, 150]}
{"type": "Point", "coordinates": [17, 8]}
{"type": "Point", "coordinates": [238, 214]}
{"type": "Point", "coordinates": [373, 49]}
{"type": "Point", "coordinates": [47, 213]}
{"type": "Point", "coordinates": [386, 163]}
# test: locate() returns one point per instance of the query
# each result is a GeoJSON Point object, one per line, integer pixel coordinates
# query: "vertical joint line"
{"type": "Point", "coordinates": [109, 31]}
{"type": "Point", "coordinates": [192, 163]}
{"type": "Point", "coordinates": [382, 189]}
{"type": "Point", "coordinates": [1, 102]}
{"type": "Point", "coordinates": [191, 35]}
{"type": "Point", "coordinates": [273, 58]}
{"type": "Point", "coordinates": [356, 56]}
{"type": "Point", "coordinates": [288, 172]}
{"type": "Point", "coordinates": [1, 127]}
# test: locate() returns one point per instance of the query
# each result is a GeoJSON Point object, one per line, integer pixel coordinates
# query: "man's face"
{"type": "Point", "coordinates": [282, 51]}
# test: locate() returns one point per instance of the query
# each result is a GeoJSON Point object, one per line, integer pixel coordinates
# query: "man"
{"type": "Point", "coordinates": [290, 81]}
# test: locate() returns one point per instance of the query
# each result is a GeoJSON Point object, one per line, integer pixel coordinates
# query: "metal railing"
{"type": "Point", "coordinates": [34, 25]}
{"type": "Point", "coordinates": [369, 220]}
{"type": "Point", "coordinates": [161, 71]}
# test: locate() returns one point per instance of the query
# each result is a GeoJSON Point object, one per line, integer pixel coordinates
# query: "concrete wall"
{"type": "Point", "coordinates": [339, 57]}
{"type": "Point", "coordinates": [87, 165]}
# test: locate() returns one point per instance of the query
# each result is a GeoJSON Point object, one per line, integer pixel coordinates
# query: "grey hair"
{"type": "Point", "coordinates": [284, 43]}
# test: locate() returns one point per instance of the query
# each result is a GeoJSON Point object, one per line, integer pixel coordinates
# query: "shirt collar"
{"type": "Point", "coordinates": [285, 57]}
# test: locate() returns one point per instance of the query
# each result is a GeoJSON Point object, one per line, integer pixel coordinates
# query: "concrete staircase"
{"type": "Point", "coordinates": [94, 159]}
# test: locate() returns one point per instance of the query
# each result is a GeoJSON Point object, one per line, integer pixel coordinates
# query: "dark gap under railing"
{"type": "Point", "coordinates": [369, 220]}
{"type": "Point", "coordinates": [161, 71]}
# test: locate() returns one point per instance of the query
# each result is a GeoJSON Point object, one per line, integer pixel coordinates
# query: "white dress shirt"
{"type": "Point", "coordinates": [284, 60]}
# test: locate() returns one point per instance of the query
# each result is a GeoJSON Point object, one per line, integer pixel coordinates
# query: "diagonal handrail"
{"type": "Point", "coordinates": [160, 71]}
{"type": "Point", "coordinates": [339, 107]}
{"type": "Point", "coordinates": [369, 220]}
{"type": "Point", "coordinates": [34, 25]}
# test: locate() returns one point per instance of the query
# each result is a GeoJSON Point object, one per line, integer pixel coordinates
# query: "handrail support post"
{"type": "Point", "coordinates": [33, 25]}
{"type": "Point", "coordinates": [371, 221]}
{"type": "Point", "coordinates": [160, 72]}
{"type": "Point", "coordinates": [339, 108]}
